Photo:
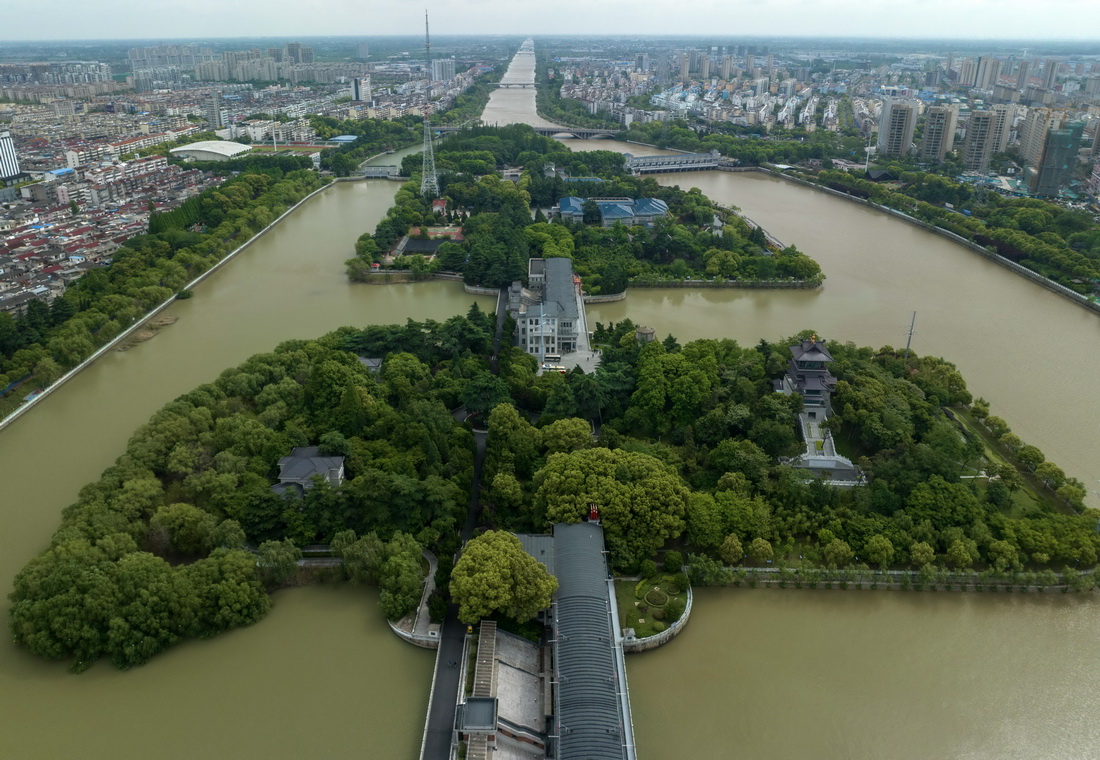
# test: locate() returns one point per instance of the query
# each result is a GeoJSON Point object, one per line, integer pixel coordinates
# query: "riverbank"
{"type": "Point", "coordinates": [1035, 277]}
{"type": "Point", "coordinates": [932, 579]}
{"type": "Point", "coordinates": [402, 276]}
{"type": "Point", "coordinates": [142, 323]}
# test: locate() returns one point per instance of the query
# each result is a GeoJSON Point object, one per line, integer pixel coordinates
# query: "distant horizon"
{"type": "Point", "coordinates": [1054, 21]}
{"type": "Point", "coordinates": [1022, 41]}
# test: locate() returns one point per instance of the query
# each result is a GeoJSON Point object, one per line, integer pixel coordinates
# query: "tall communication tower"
{"type": "Point", "coordinates": [429, 183]}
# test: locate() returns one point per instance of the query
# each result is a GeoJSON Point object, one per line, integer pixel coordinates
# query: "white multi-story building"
{"type": "Point", "coordinates": [896, 125]}
{"type": "Point", "coordinates": [548, 318]}
{"type": "Point", "coordinates": [938, 138]}
{"type": "Point", "coordinates": [9, 162]}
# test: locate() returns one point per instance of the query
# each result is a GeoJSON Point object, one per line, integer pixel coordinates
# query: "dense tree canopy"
{"type": "Point", "coordinates": [495, 575]}
{"type": "Point", "coordinates": [641, 501]}
{"type": "Point", "coordinates": [699, 239]}
{"type": "Point", "coordinates": [180, 536]}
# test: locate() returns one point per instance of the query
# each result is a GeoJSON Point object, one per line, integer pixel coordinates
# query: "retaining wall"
{"type": "Point", "coordinates": [767, 284]}
{"type": "Point", "coordinates": [662, 638]}
{"type": "Point", "coordinates": [475, 290]}
{"type": "Point", "coordinates": [609, 298]}
{"type": "Point", "coordinates": [424, 642]}
{"type": "Point", "coordinates": [128, 332]}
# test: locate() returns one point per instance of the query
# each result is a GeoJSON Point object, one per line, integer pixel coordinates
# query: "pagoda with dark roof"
{"type": "Point", "coordinates": [808, 374]}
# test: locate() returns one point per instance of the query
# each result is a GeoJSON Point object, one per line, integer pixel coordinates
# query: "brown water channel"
{"type": "Point", "coordinates": [824, 674]}
{"type": "Point", "coordinates": [322, 672]}
{"type": "Point", "coordinates": [783, 674]}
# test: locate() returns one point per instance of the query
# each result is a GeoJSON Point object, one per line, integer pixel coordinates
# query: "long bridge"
{"type": "Point", "coordinates": [680, 162]}
{"type": "Point", "coordinates": [524, 85]}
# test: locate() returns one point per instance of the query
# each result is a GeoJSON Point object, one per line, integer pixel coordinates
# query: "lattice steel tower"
{"type": "Point", "coordinates": [429, 183]}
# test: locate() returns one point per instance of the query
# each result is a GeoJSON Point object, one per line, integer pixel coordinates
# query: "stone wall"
{"type": "Point", "coordinates": [665, 636]}
{"type": "Point", "coordinates": [609, 298]}
{"type": "Point", "coordinates": [424, 642]}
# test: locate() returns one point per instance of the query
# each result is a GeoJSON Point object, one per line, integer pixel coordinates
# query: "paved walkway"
{"type": "Point", "coordinates": [584, 357]}
{"type": "Point", "coordinates": [423, 617]}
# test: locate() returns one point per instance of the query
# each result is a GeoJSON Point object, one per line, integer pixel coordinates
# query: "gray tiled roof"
{"type": "Point", "coordinates": [306, 461]}
{"type": "Point", "coordinates": [559, 297]}
{"type": "Point", "coordinates": [590, 723]}
{"type": "Point", "coordinates": [811, 351]}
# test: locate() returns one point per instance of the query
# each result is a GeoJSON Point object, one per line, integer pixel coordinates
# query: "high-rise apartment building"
{"type": "Point", "coordinates": [968, 73]}
{"type": "Point", "coordinates": [1050, 73]}
{"type": "Point", "coordinates": [979, 141]}
{"type": "Point", "coordinates": [9, 162]}
{"type": "Point", "coordinates": [443, 69]}
{"type": "Point", "coordinates": [938, 138]}
{"type": "Point", "coordinates": [989, 70]}
{"type": "Point", "coordinates": [1059, 159]}
{"type": "Point", "coordinates": [685, 68]}
{"type": "Point", "coordinates": [360, 89]}
{"type": "Point", "coordinates": [895, 127]}
{"type": "Point", "coordinates": [215, 117]}
{"type": "Point", "coordinates": [727, 67]}
{"type": "Point", "coordinates": [1033, 134]}
{"type": "Point", "coordinates": [1002, 126]}
{"type": "Point", "coordinates": [704, 68]}
{"type": "Point", "coordinates": [362, 51]}
{"type": "Point", "coordinates": [1022, 75]}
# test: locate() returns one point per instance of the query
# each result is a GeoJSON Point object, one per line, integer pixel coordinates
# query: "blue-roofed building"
{"type": "Point", "coordinates": [628, 211]}
{"type": "Point", "coordinates": [344, 139]}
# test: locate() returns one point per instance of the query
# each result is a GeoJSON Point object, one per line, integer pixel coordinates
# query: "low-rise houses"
{"type": "Point", "coordinates": [46, 245]}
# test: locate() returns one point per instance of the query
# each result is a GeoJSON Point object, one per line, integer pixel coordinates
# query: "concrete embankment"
{"type": "Point", "coordinates": [150, 315]}
{"type": "Point", "coordinates": [630, 646]}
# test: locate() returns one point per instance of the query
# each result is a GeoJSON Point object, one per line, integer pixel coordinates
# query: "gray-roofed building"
{"type": "Point", "coordinates": [296, 472]}
{"type": "Point", "coordinates": [210, 150]}
{"type": "Point", "coordinates": [548, 317]}
{"type": "Point", "coordinates": [591, 702]}
{"type": "Point", "coordinates": [808, 375]}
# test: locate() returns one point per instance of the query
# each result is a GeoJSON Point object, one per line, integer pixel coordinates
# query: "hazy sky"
{"type": "Point", "coordinates": [167, 19]}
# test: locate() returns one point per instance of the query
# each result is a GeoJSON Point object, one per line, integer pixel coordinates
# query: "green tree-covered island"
{"type": "Point", "coordinates": [503, 223]}
{"type": "Point", "coordinates": [200, 518]}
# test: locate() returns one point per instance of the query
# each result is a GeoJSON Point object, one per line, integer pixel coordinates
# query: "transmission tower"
{"type": "Point", "coordinates": [429, 183]}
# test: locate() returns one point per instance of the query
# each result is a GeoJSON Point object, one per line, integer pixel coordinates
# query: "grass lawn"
{"type": "Point", "coordinates": [642, 603]}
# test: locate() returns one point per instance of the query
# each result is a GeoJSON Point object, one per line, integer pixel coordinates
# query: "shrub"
{"type": "Point", "coordinates": [675, 608]}
{"type": "Point", "coordinates": [437, 607]}
{"type": "Point", "coordinates": [673, 561]}
{"type": "Point", "coordinates": [658, 614]}
{"type": "Point", "coordinates": [648, 568]}
{"type": "Point", "coordinates": [658, 626]}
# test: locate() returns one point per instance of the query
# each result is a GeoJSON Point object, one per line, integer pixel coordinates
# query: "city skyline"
{"type": "Point", "coordinates": [933, 19]}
